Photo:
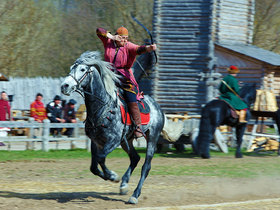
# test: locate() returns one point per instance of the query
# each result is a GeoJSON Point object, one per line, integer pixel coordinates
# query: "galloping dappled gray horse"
{"type": "Point", "coordinates": [104, 126]}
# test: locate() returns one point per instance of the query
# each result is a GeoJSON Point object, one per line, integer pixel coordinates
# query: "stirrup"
{"type": "Point", "coordinates": [243, 122]}
{"type": "Point", "coordinates": [138, 133]}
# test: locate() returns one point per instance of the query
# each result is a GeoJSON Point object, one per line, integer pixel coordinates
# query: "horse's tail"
{"type": "Point", "coordinates": [172, 130]}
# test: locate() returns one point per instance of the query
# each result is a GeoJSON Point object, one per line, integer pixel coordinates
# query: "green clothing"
{"type": "Point", "coordinates": [228, 96]}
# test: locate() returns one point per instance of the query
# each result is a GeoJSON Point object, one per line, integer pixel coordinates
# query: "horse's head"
{"type": "Point", "coordinates": [248, 93]}
{"type": "Point", "coordinates": [90, 67]}
{"type": "Point", "coordinates": [77, 78]}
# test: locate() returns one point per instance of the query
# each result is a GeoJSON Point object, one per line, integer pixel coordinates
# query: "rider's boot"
{"type": "Point", "coordinates": [242, 116]}
{"type": "Point", "coordinates": [135, 113]}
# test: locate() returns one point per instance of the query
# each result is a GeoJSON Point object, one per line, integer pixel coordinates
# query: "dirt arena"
{"type": "Point", "coordinates": [68, 184]}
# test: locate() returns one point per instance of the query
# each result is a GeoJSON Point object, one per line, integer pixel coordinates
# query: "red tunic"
{"type": "Point", "coordinates": [5, 110]}
{"type": "Point", "coordinates": [125, 57]}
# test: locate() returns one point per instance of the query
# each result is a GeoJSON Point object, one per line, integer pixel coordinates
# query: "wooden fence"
{"type": "Point", "coordinates": [45, 138]}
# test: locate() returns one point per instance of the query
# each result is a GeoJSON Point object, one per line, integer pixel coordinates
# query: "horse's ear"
{"type": "Point", "coordinates": [96, 67]}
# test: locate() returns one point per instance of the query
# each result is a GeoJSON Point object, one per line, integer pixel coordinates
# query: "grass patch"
{"type": "Point", "coordinates": [52, 154]}
{"type": "Point", "coordinates": [220, 165]}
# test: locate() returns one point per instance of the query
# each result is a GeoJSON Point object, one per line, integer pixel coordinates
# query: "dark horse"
{"type": "Point", "coordinates": [103, 126]}
{"type": "Point", "coordinates": [218, 112]}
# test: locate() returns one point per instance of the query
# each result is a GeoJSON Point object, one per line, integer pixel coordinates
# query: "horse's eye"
{"type": "Point", "coordinates": [82, 70]}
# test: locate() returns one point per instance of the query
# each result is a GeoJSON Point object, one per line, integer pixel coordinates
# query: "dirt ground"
{"type": "Point", "coordinates": [68, 184]}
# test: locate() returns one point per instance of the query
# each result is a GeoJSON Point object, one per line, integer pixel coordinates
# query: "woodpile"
{"type": "Point", "coordinates": [264, 143]}
{"type": "Point", "coordinates": [265, 98]}
{"type": "Point", "coordinates": [265, 101]}
{"type": "Point", "coordinates": [183, 116]}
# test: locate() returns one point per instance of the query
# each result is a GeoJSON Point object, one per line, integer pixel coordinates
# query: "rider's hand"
{"type": "Point", "coordinates": [151, 47]}
{"type": "Point", "coordinates": [117, 38]}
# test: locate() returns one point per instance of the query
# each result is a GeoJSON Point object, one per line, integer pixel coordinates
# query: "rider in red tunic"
{"type": "Point", "coordinates": [122, 54]}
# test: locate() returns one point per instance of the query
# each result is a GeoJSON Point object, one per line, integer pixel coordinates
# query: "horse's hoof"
{"type": "Point", "coordinates": [123, 189]}
{"type": "Point", "coordinates": [239, 156]}
{"type": "Point", "coordinates": [132, 200]}
{"type": "Point", "coordinates": [114, 177]}
{"type": "Point", "coordinates": [205, 156]}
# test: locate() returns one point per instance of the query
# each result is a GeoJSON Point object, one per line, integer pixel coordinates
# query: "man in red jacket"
{"type": "Point", "coordinates": [37, 109]}
{"type": "Point", "coordinates": [5, 108]}
{"type": "Point", "coordinates": [38, 112]}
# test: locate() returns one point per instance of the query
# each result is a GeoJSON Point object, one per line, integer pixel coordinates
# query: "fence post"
{"type": "Point", "coordinates": [46, 134]}
{"type": "Point", "coordinates": [76, 134]}
{"type": "Point", "coordinates": [88, 144]}
{"type": "Point", "coordinates": [30, 144]}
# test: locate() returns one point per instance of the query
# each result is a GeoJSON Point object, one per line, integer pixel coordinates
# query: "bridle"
{"type": "Point", "coordinates": [79, 88]}
{"type": "Point", "coordinates": [79, 81]}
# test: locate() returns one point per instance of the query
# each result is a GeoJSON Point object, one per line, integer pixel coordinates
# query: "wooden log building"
{"type": "Point", "coordinates": [197, 40]}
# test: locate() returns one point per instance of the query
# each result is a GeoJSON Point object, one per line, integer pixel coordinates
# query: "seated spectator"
{"type": "Point", "coordinates": [70, 116]}
{"type": "Point", "coordinates": [38, 112]}
{"type": "Point", "coordinates": [54, 113]}
{"type": "Point", "coordinates": [37, 109]}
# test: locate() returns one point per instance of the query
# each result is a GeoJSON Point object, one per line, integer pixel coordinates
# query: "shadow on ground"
{"type": "Point", "coordinates": [62, 197]}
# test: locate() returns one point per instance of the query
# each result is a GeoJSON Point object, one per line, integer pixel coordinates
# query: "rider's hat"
{"type": "Point", "coordinates": [233, 69]}
{"type": "Point", "coordinates": [57, 97]}
{"type": "Point", "coordinates": [122, 31]}
{"type": "Point", "coordinates": [72, 101]}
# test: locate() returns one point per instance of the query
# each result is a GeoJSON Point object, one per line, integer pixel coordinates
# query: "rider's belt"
{"type": "Point", "coordinates": [122, 68]}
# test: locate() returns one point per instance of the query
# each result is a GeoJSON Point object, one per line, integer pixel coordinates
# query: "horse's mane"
{"type": "Point", "coordinates": [109, 78]}
{"type": "Point", "coordinates": [248, 93]}
{"type": "Point", "coordinates": [247, 89]}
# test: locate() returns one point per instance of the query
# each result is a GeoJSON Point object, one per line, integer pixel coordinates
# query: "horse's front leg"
{"type": "Point", "coordinates": [94, 161]}
{"type": "Point", "coordinates": [205, 136]}
{"type": "Point", "coordinates": [134, 159]}
{"type": "Point", "coordinates": [240, 129]}
{"type": "Point", "coordinates": [98, 157]}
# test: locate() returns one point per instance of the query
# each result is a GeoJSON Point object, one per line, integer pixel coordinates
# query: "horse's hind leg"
{"type": "Point", "coordinates": [151, 147]}
{"type": "Point", "coordinates": [134, 159]}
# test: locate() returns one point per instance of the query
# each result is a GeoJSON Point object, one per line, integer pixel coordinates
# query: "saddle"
{"type": "Point", "coordinates": [234, 113]}
{"type": "Point", "coordinates": [144, 112]}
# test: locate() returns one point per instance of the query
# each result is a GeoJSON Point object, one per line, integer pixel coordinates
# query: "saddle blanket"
{"type": "Point", "coordinates": [145, 116]}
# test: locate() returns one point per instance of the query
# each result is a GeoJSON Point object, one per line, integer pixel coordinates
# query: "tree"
{"type": "Point", "coordinates": [267, 25]}
{"type": "Point", "coordinates": [44, 37]}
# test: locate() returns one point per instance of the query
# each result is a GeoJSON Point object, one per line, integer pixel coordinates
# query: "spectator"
{"type": "Point", "coordinates": [38, 112]}
{"type": "Point", "coordinates": [54, 113]}
{"type": "Point", "coordinates": [5, 108]}
{"type": "Point", "coordinates": [37, 109]}
{"type": "Point", "coordinates": [70, 116]}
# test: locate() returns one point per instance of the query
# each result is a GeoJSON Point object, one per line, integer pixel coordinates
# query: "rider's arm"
{"type": "Point", "coordinates": [146, 48]}
{"type": "Point", "coordinates": [104, 35]}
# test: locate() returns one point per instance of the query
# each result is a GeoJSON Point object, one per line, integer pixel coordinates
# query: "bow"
{"type": "Point", "coordinates": [150, 34]}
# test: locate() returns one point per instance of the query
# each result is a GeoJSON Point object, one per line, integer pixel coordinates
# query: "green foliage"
{"type": "Point", "coordinates": [267, 25]}
{"type": "Point", "coordinates": [45, 37]}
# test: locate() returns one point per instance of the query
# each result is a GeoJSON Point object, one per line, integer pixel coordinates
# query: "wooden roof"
{"type": "Point", "coordinates": [254, 52]}
{"type": "Point", "coordinates": [3, 77]}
